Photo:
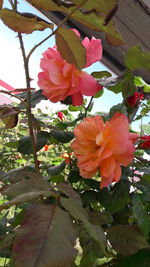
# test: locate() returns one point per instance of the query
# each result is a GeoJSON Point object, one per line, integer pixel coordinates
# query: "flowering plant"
{"type": "Point", "coordinates": [74, 188]}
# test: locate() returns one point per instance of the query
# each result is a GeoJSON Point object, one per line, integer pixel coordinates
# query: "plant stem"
{"type": "Point", "coordinates": [9, 93]}
{"type": "Point", "coordinates": [86, 109]}
{"type": "Point", "coordinates": [29, 113]}
{"type": "Point", "coordinates": [61, 24]}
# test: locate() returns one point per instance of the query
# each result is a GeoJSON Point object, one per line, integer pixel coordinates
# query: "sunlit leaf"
{"type": "Point", "coordinates": [136, 58]}
{"type": "Point", "coordinates": [126, 239]}
{"type": "Point", "coordinates": [101, 74]}
{"type": "Point", "coordinates": [91, 20]}
{"type": "Point", "coordinates": [97, 5]}
{"type": "Point", "coordinates": [47, 232]}
{"type": "Point", "coordinates": [22, 24]}
{"type": "Point", "coordinates": [70, 47]}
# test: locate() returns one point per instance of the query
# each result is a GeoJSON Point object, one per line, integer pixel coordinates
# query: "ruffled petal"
{"type": "Point", "coordinates": [88, 85]}
{"type": "Point", "coordinates": [93, 50]}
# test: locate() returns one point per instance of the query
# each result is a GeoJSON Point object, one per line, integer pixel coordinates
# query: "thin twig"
{"type": "Point", "coordinates": [86, 109]}
{"type": "Point", "coordinates": [61, 24]}
{"type": "Point", "coordinates": [9, 93]}
{"type": "Point", "coordinates": [29, 113]}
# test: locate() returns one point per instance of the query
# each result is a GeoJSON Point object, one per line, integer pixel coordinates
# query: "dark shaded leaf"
{"type": "Point", "coordinates": [36, 98]}
{"type": "Point", "coordinates": [62, 136]}
{"type": "Point", "coordinates": [127, 239]}
{"type": "Point", "coordinates": [25, 146]}
{"type": "Point", "coordinates": [9, 115]}
{"type": "Point", "coordinates": [140, 214]}
{"type": "Point", "coordinates": [55, 170]}
{"type": "Point", "coordinates": [141, 258]}
{"type": "Point", "coordinates": [116, 199]}
{"type": "Point", "coordinates": [47, 232]}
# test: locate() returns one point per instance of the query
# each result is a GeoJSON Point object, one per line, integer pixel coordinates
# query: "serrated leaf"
{"type": "Point", "coordinates": [70, 47]}
{"type": "Point", "coordinates": [22, 24]}
{"type": "Point", "coordinates": [136, 58]}
{"type": "Point", "coordinates": [62, 136]}
{"type": "Point", "coordinates": [74, 206]}
{"type": "Point", "coordinates": [55, 170]}
{"type": "Point", "coordinates": [91, 20]}
{"type": "Point", "coordinates": [25, 146]}
{"type": "Point", "coordinates": [127, 239]}
{"type": "Point", "coordinates": [48, 233]}
{"type": "Point", "coordinates": [140, 214]}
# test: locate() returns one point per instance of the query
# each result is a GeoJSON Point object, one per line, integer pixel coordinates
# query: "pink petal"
{"type": "Point", "coordinates": [88, 85]}
{"type": "Point", "coordinates": [93, 50]}
{"type": "Point", "coordinates": [77, 99]}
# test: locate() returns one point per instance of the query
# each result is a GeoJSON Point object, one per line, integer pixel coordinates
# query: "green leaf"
{"type": "Point", "coordinates": [55, 170]}
{"type": "Point", "coordinates": [90, 20]}
{"type": "Point", "coordinates": [36, 97]}
{"type": "Point", "coordinates": [91, 249]}
{"type": "Point", "coordinates": [118, 108]}
{"type": "Point", "coordinates": [22, 24]}
{"type": "Point", "coordinates": [136, 58]}
{"type": "Point", "coordinates": [127, 239]}
{"type": "Point", "coordinates": [125, 85]}
{"type": "Point", "coordinates": [116, 199]}
{"type": "Point", "coordinates": [141, 83]}
{"type": "Point", "coordinates": [70, 47]}
{"type": "Point", "coordinates": [73, 108]}
{"type": "Point", "coordinates": [141, 258]}
{"type": "Point", "coordinates": [48, 233]}
{"type": "Point", "coordinates": [74, 206]}
{"type": "Point", "coordinates": [12, 144]}
{"type": "Point", "coordinates": [101, 74]}
{"type": "Point", "coordinates": [99, 94]}
{"type": "Point", "coordinates": [97, 5]}
{"type": "Point", "coordinates": [25, 146]}
{"type": "Point", "coordinates": [140, 214]}
{"type": "Point", "coordinates": [62, 136]}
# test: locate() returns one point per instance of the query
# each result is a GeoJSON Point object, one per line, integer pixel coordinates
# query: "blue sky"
{"type": "Point", "coordinates": [11, 65]}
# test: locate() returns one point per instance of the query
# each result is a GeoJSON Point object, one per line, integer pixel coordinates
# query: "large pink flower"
{"type": "Point", "coordinates": [60, 79]}
{"type": "Point", "coordinates": [103, 146]}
